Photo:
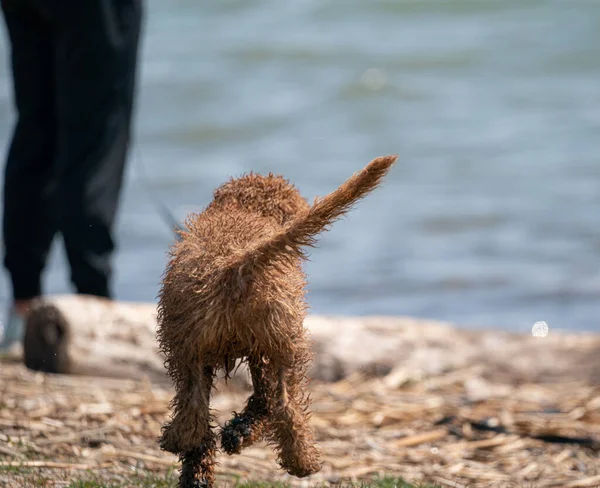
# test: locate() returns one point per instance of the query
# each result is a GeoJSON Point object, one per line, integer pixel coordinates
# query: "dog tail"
{"type": "Point", "coordinates": [290, 241]}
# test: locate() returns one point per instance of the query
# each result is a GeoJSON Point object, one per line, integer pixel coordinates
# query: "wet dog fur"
{"type": "Point", "coordinates": [234, 289]}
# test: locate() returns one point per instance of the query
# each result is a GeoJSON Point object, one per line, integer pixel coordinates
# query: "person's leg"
{"type": "Point", "coordinates": [96, 62]}
{"type": "Point", "coordinates": [29, 223]}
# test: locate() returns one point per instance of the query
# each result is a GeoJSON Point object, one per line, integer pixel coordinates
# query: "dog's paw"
{"type": "Point", "coordinates": [234, 433]}
{"type": "Point", "coordinates": [195, 483]}
{"type": "Point", "coordinates": [302, 463]}
{"type": "Point", "coordinates": [303, 471]}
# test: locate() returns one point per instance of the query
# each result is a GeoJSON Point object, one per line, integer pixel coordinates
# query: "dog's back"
{"type": "Point", "coordinates": [241, 260]}
{"type": "Point", "coordinates": [233, 308]}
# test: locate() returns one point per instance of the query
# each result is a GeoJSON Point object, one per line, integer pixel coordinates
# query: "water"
{"type": "Point", "coordinates": [492, 217]}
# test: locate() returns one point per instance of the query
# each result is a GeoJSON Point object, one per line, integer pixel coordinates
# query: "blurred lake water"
{"type": "Point", "coordinates": [490, 219]}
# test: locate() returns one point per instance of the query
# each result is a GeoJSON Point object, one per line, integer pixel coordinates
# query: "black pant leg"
{"type": "Point", "coordinates": [29, 222]}
{"type": "Point", "coordinates": [96, 64]}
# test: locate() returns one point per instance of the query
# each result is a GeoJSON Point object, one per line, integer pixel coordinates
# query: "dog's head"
{"type": "Point", "coordinates": [270, 196]}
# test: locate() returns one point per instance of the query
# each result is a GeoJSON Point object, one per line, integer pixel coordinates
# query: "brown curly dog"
{"type": "Point", "coordinates": [233, 290]}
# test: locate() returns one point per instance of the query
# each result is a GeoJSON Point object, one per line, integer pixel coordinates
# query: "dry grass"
{"type": "Point", "coordinates": [454, 429]}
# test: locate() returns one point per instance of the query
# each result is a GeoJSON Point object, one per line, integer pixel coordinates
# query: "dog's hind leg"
{"type": "Point", "coordinates": [290, 427]}
{"type": "Point", "coordinates": [246, 427]}
{"type": "Point", "coordinates": [189, 434]}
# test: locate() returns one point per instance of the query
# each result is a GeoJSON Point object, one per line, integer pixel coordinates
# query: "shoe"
{"type": "Point", "coordinates": [12, 332]}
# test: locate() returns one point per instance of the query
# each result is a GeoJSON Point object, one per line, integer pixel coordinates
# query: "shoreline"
{"type": "Point", "coordinates": [103, 331]}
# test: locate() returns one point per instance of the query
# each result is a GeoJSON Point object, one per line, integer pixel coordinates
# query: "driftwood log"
{"type": "Point", "coordinates": [93, 337]}
{"type": "Point", "coordinates": [90, 336]}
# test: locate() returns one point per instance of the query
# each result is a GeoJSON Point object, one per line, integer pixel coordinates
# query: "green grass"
{"type": "Point", "coordinates": [32, 478]}
{"type": "Point", "coordinates": [134, 481]}
{"type": "Point", "coordinates": [26, 477]}
{"type": "Point", "coordinates": [382, 483]}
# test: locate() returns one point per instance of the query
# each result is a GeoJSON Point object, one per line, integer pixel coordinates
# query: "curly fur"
{"type": "Point", "coordinates": [234, 289]}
